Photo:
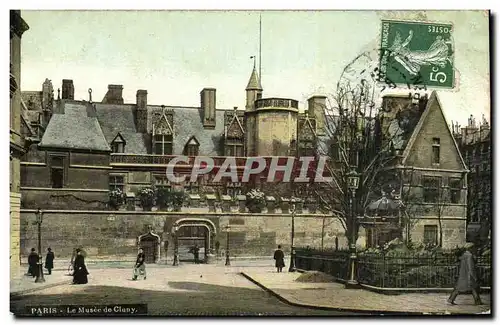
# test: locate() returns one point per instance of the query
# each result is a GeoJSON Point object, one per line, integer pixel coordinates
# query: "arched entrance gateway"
{"type": "Point", "coordinates": [188, 232]}
{"type": "Point", "coordinates": [150, 243]}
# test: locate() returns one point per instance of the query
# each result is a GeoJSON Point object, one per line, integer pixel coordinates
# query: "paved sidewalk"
{"type": "Point", "coordinates": [335, 296]}
{"type": "Point", "coordinates": [22, 284]}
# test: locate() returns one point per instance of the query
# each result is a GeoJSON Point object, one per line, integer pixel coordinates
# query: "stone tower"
{"type": "Point", "coordinates": [253, 93]}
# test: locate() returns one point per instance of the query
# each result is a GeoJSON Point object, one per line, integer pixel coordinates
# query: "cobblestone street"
{"type": "Point", "coordinates": [185, 290]}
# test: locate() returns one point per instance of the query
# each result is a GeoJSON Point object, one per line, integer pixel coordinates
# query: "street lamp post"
{"type": "Point", "coordinates": [176, 246]}
{"type": "Point", "coordinates": [353, 184]}
{"type": "Point", "coordinates": [39, 276]}
{"type": "Point", "coordinates": [228, 262]}
{"type": "Point", "coordinates": [292, 249]}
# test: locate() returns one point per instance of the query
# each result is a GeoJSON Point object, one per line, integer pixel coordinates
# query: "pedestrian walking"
{"type": "Point", "coordinates": [33, 263]}
{"type": "Point", "coordinates": [80, 271]}
{"type": "Point", "coordinates": [467, 277]}
{"type": "Point", "coordinates": [217, 247]}
{"type": "Point", "coordinates": [279, 256]}
{"type": "Point", "coordinates": [49, 260]}
{"type": "Point", "coordinates": [196, 252]}
{"type": "Point", "coordinates": [140, 266]}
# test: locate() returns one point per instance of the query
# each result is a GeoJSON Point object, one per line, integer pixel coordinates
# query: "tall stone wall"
{"type": "Point", "coordinates": [15, 205]}
{"type": "Point", "coordinates": [112, 235]}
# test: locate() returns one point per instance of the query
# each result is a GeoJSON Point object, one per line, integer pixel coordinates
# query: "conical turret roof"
{"type": "Point", "coordinates": [254, 82]}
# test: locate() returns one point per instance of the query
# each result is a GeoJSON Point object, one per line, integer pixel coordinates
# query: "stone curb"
{"type": "Point", "coordinates": [354, 310]}
{"type": "Point", "coordinates": [30, 290]}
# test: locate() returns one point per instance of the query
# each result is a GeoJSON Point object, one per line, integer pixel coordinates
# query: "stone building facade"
{"type": "Point", "coordinates": [428, 174]}
{"type": "Point", "coordinates": [474, 141]}
{"type": "Point", "coordinates": [84, 149]}
{"type": "Point", "coordinates": [87, 149]}
{"type": "Point", "coordinates": [17, 141]}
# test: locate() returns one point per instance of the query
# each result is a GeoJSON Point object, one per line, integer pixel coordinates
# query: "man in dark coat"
{"type": "Point", "coordinates": [80, 270]}
{"type": "Point", "coordinates": [196, 253]}
{"type": "Point", "coordinates": [33, 263]}
{"type": "Point", "coordinates": [279, 256]}
{"type": "Point", "coordinates": [139, 267]}
{"type": "Point", "coordinates": [49, 260]}
{"type": "Point", "coordinates": [467, 277]}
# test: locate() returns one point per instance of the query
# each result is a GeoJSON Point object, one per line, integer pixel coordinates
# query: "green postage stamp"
{"type": "Point", "coordinates": [417, 53]}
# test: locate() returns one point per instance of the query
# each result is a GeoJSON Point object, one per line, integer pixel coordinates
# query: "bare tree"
{"type": "Point", "coordinates": [356, 139]}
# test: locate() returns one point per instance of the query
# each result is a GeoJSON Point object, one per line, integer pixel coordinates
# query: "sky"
{"type": "Point", "coordinates": [175, 54]}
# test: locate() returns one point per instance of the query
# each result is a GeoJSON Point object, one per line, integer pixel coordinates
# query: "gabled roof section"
{"type": "Point", "coordinates": [119, 139]}
{"type": "Point", "coordinates": [234, 128]}
{"type": "Point", "coordinates": [187, 123]}
{"type": "Point", "coordinates": [306, 127]}
{"type": "Point", "coordinates": [25, 117]}
{"type": "Point", "coordinates": [433, 99]}
{"type": "Point", "coordinates": [254, 81]}
{"type": "Point", "coordinates": [162, 126]}
{"type": "Point", "coordinates": [193, 141]}
{"type": "Point", "coordinates": [32, 99]}
{"type": "Point", "coordinates": [74, 129]}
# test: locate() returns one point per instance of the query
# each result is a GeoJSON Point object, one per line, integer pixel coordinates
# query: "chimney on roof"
{"type": "Point", "coordinates": [316, 108]}
{"type": "Point", "coordinates": [208, 107]}
{"type": "Point", "coordinates": [68, 90]}
{"type": "Point", "coordinates": [142, 110]}
{"type": "Point", "coordinates": [114, 95]}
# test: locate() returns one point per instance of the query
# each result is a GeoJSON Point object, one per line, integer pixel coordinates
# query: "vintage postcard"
{"type": "Point", "coordinates": [250, 163]}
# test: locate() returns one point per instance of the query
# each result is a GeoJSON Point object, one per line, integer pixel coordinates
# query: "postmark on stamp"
{"type": "Point", "coordinates": [417, 53]}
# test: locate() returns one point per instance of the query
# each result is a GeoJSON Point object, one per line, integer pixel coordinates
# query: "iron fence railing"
{"type": "Point", "coordinates": [394, 270]}
{"type": "Point", "coordinates": [331, 262]}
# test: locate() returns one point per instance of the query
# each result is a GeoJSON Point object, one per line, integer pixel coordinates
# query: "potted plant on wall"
{"type": "Point", "coordinates": [116, 198]}
{"type": "Point", "coordinates": [169, 199]}
{"type": "Point", "coordinates": [177, 199]}
{"type": "Point", "coordinates": [147, 198]}
{"type": "Point", "coordinates": [163, 198]}
{"type": "Point", "coordinates": [255, 201]}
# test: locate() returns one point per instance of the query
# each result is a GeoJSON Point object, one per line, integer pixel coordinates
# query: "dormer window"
{"type": "Point", "coordinates": [192, 147]}
{"type": "Point", "coordinates": [163, 144]}
{"type": "Point", "coordinates": [118, 144]}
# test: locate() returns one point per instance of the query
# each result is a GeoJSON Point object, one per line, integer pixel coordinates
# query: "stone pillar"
{"type": "Point", "coordinates": [285, 205]}
{"type": "Point", "coordinates": [299, 205]}
{"type": "Point", "coordinates": [194, 200]}
{"type": "Point", "coordinates": [242, 199]}
{"type": "Point", "coordinates": [226, 203]}
{"type": "Point", "coordinates": [211, 202]}
{"type": "Point", "coordinates": [130, 201]}
{"type": "Point", "coordinates": [271, 204]}
{"type": "Point", "coordinates": [311, 206]}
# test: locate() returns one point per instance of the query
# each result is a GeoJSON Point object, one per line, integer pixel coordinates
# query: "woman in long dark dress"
{"type": "Point", "coordinates": [279, 256]}
{"type": "Point", "coordinates": [49, 260]}
{"type": "Point", "coordinates": [80, 270]}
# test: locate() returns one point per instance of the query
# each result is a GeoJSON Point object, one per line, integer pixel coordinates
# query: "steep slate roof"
{"type": "Point", "coordinates": [74, 130]}
{"type": "Point", "coordinates": [187, 123]}
{"type": "Point", "coordinates": [416, 130]}
{"type": "Point", "coordinates": [254, 81]}
{"type": "Point", "coordinates": [120, 118]}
